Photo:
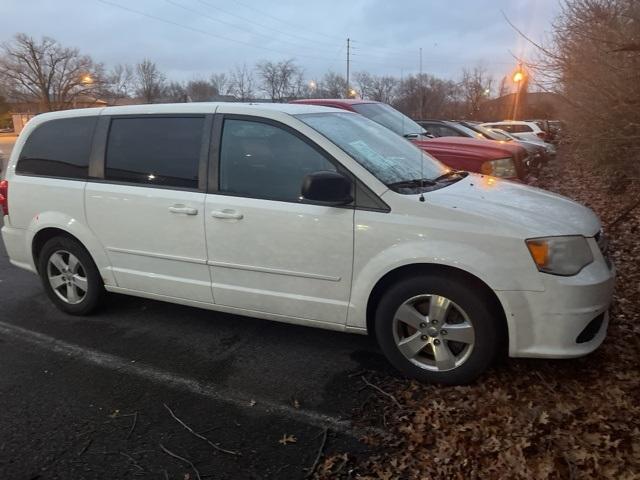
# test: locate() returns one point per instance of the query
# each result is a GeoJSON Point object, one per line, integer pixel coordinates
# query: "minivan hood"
{"type": "Point", "coordinates": [534, 212]}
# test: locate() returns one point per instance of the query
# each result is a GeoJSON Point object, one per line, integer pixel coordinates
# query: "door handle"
{"type": "Point", "coordinates": [227, 214]}
{"type": "Point", "coordinates": [183, 209]}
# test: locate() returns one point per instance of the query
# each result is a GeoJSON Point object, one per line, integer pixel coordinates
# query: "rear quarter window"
{"type": "Point", "coordinates": [58, 148]}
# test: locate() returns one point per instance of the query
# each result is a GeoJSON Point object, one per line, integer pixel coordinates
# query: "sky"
{"type": "Point", "coordinates": [190, 39]}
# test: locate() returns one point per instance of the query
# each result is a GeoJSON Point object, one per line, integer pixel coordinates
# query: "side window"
{"type": "Point", "coordinates": [264, 161]}
{"type": "Point", "coordinates": [59, 148]}
{"type": "Point", "coordinates": [449, 132]}
{"type": "Point", "coordinates": [517, 128]}
{"type": "Point", "coordinates": [434, 130]}
{"type": "Point", "coordinates": [162, 151]}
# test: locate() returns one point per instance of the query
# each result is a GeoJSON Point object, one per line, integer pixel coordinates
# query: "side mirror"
{"type": "Point", "coordinates": [328, 188]}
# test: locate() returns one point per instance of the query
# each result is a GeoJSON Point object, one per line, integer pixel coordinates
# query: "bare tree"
{"type": "Point", "coordinates": [221, 82]}
{"type": "Point", "coordinates": [427, 96]}
{"type": "Point", "coordinates": [175, 92]}
{"type": "Point", "coordinates": [475, 88]}
{"type": "Point", "coordinates": [119, 83]}
{"type": "Point", "coordinates": [374, 87]}
{"type": "Point", "coordinates": [383, 88]}
{"type": "Point", "coordinates": [504, 88]}
{"type": "Point", "coordinates": [332, 85]}
{"type": "Point", "coordinates": [280, 80]}
{"type": "Point", "coordinates": [242, 83]}
{"type": "Point", "coordinates": [150, 82]}
{"type": "Point", "coordinates": [47, 72]}
{"type": "Point", "coordinates": [592, 63]}
{"type": "Point", "coordinates": [200, 91]}
{"type": "Point", "coordinates": [299, 87]}
{"type": "Point", "coordinates": [364, 84]}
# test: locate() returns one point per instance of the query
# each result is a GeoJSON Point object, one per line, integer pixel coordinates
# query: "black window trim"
{"type": "Point", "coordinates": [101, 137]}
{"type": "Point", "coordinates": [56, 177]}
{"type": "Point", "coordinates": [214, 164]}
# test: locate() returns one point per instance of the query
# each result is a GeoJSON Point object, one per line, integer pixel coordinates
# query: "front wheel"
{"type": "Point", "coordinates": [437, 330]}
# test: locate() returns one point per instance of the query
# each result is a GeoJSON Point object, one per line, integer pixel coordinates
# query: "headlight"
{"type": "Point", "coordinates": [503, 167]}
{"type": "Point", "coordinates": [560, 255]}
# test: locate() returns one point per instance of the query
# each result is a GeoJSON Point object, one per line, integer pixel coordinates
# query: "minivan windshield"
{"type": "Point", "coordinates": [390, 118]}
{"type": "Point", "coordinates": [393, 160]}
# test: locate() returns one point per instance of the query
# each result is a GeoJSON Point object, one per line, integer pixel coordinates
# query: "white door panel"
{"type": "Point", "coordinates": [154, 238]}
{"type": "Point", "coordinates": [280, 257]}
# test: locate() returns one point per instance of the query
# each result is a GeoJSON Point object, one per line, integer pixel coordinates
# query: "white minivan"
{"type": "Point", "coordinates": [306, 215]}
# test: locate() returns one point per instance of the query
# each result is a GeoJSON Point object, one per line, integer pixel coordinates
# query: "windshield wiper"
{"type": "Point", "coordinates": [450, 173]}
{"type": "Point", "coordinates": [415, 182]}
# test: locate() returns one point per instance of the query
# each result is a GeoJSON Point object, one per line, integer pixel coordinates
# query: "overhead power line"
{"type": "Point", "coordinates": [233, 25]}
{"type": "Point", "coordinates": [285, 22]}
{"type": "Point", "coordinates": [262, 25]}
{"type": "Point", "coordinates": [205, 32]}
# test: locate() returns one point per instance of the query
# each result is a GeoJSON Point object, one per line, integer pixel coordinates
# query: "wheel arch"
{"type": "Point", "coordinates": [43, 236]}
{"type": "Point", "coordinates": [417, 269]}
{"type": "Point", "coordinates": [81, 235]}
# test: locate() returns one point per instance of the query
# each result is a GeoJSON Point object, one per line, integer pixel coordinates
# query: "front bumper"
{"type": "Point", "coordinates": [568, 319]}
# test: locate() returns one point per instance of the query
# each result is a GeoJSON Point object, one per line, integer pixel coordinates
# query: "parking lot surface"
{"type": "Point", "coordinates": [103, 396]}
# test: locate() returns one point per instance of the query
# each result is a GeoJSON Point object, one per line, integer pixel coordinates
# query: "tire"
{"type": "Point", "coordinates": [461, 328]}
{"type": "Point", "coordinates": [66, 269]}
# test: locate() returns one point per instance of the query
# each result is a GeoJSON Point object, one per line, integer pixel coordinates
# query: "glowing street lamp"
{"type": "Point", "coordinates": [519, 80]}
{"type": "Point", "coordinates": [313, 85]}
{"type": "Point", "coordinates": [86, 79]}
{"type": "Point", "coordinates": [352, 93]}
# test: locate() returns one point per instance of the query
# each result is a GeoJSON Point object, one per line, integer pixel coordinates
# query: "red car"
{"type": "Point", "coordinates": [473, 155]}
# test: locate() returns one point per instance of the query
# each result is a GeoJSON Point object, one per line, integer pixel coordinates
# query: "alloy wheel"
{"type": "Point", "coordinates": [433, 332]}
{"type": "Point", "coordinates": [67, 277]}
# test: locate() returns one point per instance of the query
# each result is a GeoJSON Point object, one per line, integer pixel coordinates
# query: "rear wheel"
{"type": "Point", "coordinates": [69, 276]}
{"type": "Point", "coordinates": [437, 330]}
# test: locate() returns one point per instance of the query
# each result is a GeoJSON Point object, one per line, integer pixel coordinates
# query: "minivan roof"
{"type": "Point", "coordinates": [337, 101]}
{"type": "Point", "coordinates": [195, 107]}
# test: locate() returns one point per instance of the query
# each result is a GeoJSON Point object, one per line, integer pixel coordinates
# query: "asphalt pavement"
{"type": "Point", "coordinates": [103, 397]}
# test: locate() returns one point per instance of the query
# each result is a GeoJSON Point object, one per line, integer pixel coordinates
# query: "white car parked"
{"type": "Point", "coordinates": [549, 148]}
{"type": "Point", "coordinates": [529, 131]}
{"type": "Point", "coordinates": [307, 215]}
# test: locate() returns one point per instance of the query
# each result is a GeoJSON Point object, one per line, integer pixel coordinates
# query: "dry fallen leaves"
{"type": "Point", "coordinates": [542, 419]}
{"type": "Point", "coordinates": [287, 439]}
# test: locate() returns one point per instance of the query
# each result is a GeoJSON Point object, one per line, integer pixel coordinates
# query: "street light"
{"type": "Point", "coordinates": [87, 79]}
{"type": "Point", "coordinates": [352, 93]}
{"type": "Point", "coordinates": [519, 80]}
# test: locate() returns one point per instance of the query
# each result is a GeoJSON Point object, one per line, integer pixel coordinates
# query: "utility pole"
{"type": "Point", "coordinates": [348, 65]}
{"type": "Point", "coordinates": [421, 89]}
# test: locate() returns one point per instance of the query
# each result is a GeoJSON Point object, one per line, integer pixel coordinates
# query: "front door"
{"type": "Point", "coordinates": [148, 210]}
{"type": "Point", "coordinates": [269, 251]}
